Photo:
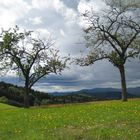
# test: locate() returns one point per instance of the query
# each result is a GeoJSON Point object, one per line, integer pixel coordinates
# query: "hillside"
{"type": "Point", "coordinates": [108, 120]}
{"type": "Point", "coordinates": [15, 95]}
{"type": "Point", "coordinates": [5, 106]}
{"type": "Point", "coordinates": [103, 93]}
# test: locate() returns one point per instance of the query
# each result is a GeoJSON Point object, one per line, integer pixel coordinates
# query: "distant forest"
{"type": "Point", "coordinates": [14, 95]}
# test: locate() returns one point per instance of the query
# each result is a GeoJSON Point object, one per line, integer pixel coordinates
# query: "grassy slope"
{"type": "Point", "coordinates": [102, 120]}
{"type": "Point", "coordinates": [5, 106]}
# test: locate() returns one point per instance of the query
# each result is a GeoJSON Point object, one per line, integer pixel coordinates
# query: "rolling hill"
{"type": "Point", "coordinates": [103, 93]}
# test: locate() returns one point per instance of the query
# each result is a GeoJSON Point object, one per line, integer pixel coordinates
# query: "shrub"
{"type": "Point", "coordinates": [45, 102]}
{"type": "Point", "coordinates": [3, 99]}
{"type": "Point", "coordinates": [15, 103]}
{"type": "Point", "coordinates": [37, 102]}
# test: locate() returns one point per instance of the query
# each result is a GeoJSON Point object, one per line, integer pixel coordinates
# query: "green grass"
{"type": "Point", "coordinates": [111, 120]}
{"type": "Point", "coordinates": [5, 106]}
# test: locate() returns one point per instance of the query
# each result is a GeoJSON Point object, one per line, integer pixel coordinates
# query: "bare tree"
{"type": "Point", "coordinates": [31, 58]}
{"type": "Point", "coordinates": [123, 3]}
{"type": "Point", "coordinates": [114, 35]}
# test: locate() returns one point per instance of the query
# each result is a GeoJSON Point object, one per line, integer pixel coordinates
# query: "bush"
{"type": "Point", "coordinates": [15, 103]}
{"type": "Point", "coordinates": [45, 102]}
{"type": "Point", "coordinates": [3, 99]}
{"type": "Point", "coordinates": [37, 102]}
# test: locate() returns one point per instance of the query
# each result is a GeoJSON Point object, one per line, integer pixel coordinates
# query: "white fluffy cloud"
{"type": "Point", "coordinates": [11, 11]}
{"type": "Point", "coordinates": [35, 20]}
{"type": "Point", "coordinates": [56, 5]}
{"type": "Point", "coordinates": [95, 5]}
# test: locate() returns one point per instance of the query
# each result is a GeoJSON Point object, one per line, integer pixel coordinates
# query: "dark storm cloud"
{"type": "Point", "coordinates": [102, 74]}
{"type": "Point", "coordinates": [12, 79]}
{"type": "Point", "coordinates": [133, 70]}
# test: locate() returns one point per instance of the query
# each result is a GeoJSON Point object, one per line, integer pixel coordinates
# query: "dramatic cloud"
{"type": "Point", "coordinates": [11, 11]}
{"type": "Point", "coordinates": [60, 18]}
{"type": "Point", "coordinates": [96, 5]}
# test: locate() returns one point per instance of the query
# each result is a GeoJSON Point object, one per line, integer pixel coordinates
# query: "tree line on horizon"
{"type": "Point", "coordinates": [113, 34]}
{"type": "Point", "coordinates": [14, 95]}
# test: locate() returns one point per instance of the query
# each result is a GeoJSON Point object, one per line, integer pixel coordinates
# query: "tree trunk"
{"type": "Point", "coordinates": [123, 83]}
{"type": "Point", "coordinates": [26, 96]}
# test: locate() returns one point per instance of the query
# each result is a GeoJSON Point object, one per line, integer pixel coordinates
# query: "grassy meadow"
{"type": "Point", "coordinates": [5, 106]}
{"type": "Point", "coordinates": [108, 120]}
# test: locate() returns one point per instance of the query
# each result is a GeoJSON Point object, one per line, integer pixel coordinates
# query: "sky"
{"type": "Point", "coordinates": [60, 18]}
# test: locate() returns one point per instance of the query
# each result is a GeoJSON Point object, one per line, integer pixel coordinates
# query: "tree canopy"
{"type": "Point", "coordinates": [113, 34]}
{"type": "Point", "coordinates": [30, 57]}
